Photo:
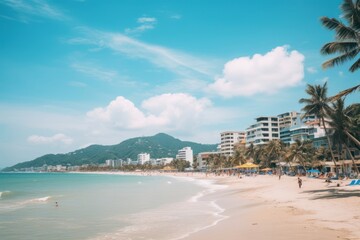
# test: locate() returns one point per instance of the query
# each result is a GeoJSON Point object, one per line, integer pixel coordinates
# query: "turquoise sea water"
{"type": "Point", "coordinates": [95, 206]}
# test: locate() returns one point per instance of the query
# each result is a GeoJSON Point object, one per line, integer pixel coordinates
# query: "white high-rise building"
{"type": "Point", "coordinates": [288, 119]}
{"type": "Point", "coordinates": [113, 163]}
{"type": "Point", "coordinates": [228, 141]}
{"type": "Point", "coordinates": [264, 130]}
{"type": "Point", "coordinates": [293, 127]}
{"type": "Point", "coordinates": [186, 154]}
{"type": "Point", "coordinates": [143, 158]}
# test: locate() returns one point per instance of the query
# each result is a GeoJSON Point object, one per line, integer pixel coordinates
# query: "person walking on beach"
{"type": "Point", "coordinates": [299, 182]}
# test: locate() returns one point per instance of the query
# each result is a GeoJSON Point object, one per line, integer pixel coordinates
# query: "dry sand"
{"type": "Point", "coordinates": [264, 207]}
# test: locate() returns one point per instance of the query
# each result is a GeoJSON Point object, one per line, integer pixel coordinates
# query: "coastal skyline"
{"type": "Point", "coordinates": [77, 73]}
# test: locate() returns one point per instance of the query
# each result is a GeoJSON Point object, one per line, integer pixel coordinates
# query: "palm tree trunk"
{"type": "Point", "coordinates": [357, 142]}
{"type": "Point", "coordinates": [329, 143]}
{"type": "Point", "coordinates": [353, 161]}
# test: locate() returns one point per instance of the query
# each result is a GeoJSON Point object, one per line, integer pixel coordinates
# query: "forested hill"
{"type": "Point", "coordinates": [159, 145]}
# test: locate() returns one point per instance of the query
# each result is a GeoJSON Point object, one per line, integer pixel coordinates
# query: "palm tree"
{"type": "Point", "coordinates": [250, 151]}
{"type": "Point", "coordinates": [275, 150]}
{"type": "Point", "coordinates": [260, 156]}
{"type": "Point", "coordinates": [301, 151]}
{"type": "Point", "coordinates": [341, 122]}
{"type": "Point", "coordinates": [347, 43]}
{"type": "Point", "coordinates": [239, 154]}
{"type": "Point", "coordinates": [318, 105]}
{"type": "Point", "coordinates": [344, 93]}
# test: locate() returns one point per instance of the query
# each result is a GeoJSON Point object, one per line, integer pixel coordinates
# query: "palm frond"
{"type": "Point", "coordinates": [355, 66]}
{"type": "Point", "coordinates": [351, 13]}
{"type": "Point", "coordinates": [340, 59]}
{"type": "Point", "coordinates": [344, 93]}
{"type": "Point", "coordinates": [345, 33]}
{"type": "Point", "coordinates": [342, 31]}
{"type": "Point", "coordinates": [338, 47]}
{"type": "Point", "coordinates": [330, 23]}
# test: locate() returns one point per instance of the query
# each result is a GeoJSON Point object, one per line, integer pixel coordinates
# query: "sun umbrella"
{"type": "Point", "coordinates": [266, 169]}
{"type": "Point", "coordinates": [248, 165]}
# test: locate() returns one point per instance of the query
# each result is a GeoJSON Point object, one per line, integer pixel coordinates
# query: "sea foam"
{"type": "Point", "coordinates": [4, 194]}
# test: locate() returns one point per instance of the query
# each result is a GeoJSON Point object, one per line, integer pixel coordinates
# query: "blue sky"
{"type": "Point", "coordinates": [75, 73]}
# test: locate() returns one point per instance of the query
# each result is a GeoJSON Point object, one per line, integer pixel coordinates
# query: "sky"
{"type": "Point", "coordinates": [80, 72]}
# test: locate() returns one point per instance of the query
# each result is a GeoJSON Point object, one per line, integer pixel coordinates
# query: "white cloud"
{"type": "Point", "coordinates": [39, 8]}
{"type": "Point", "coordinates": [269, 73]}
{"type": "Point", "coordinates": [166, 111]}
{"type": "Point", "coordinates": [311, 70]}
{"type": "Point", "coordinates": [174, 61]}
{"type": "Point", "coordinates": [146, 23]}
{"type": "Point", "coordinates": [146, 20]}
{"type": "Point", "coordinates": [95, 71]}
{"type": "Point", "coordinates": [57, 138]}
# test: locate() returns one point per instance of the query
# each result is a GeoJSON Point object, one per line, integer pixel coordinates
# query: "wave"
{"type": "Point", "coordinates": [173, 221]}
{"type": "Point", "coordinates": [4, 194]}
{"type": "Point", "coordinates": [12, 206]}
{"type": "Point", "coordinates": [39, 200]}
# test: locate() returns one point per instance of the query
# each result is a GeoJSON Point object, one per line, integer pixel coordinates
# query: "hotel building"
{"type": "Point", "coordinates": [143, 158]}
{"type": "Point", "coordinates": [229, 140]}
{"type": "Point", "coordinates": [186, 154]}
{"type": "Point", "coordinates": [264, 130]}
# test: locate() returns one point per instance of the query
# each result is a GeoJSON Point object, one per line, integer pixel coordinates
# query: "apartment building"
{"type": "Point", "coordinates": [186, 154]}
{"type": "Point", "coordinates": [264, 130]}
{"type": "Point", "coordinates": [143, 158]}
{"type": "Point", "coordinates": [229, 139]}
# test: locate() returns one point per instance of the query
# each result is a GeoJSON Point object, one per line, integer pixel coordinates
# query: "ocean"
{"type": "Point", "coordinates": [46, 206]}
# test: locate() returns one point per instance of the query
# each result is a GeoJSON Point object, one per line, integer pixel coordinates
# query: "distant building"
{"type": "Point", "coordinates": [300, 129]}
{"type": "Point", "coordinates": [288, 119]}
{"type": "Point", "coordinates": [114, 163]}
{"type": "Point", "coordinates": [229, 139]}
{"type": "Point", "coordinates": [142, 158]}
{"type": "Point", "coordinates": [185, 154]}
{"type": "Point", "coordinates": [264, 130]}
{"type": "Point", "coordinates": [202, 159]}
{"type": "Point", "coordinates": [161, 161]}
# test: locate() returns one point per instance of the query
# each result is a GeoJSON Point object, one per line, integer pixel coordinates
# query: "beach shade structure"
{"type": "Point", "coordinates": [266, 169]}
{"type": "Point", "coordinates": [169, 169]}
{"type": "Point", "coordinates": [247, 166]}
{"type": "Point", "coordinates": [313, 171]}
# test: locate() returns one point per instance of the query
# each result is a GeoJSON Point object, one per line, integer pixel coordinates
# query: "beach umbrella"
{"type": "Point", "coordinates": [248, 165]}
{"type": "Point", "coordinates": [266, 169]}
{"type": "Point", "coordinates": [168, 168]}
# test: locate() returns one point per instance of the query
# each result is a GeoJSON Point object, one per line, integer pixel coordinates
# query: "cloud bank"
{"type": "Point", "coordinates": [166, 111]}
{"type": "Point", "coordinates": [174, 61]}
{"type": "Point", "coordinates": [57, 138]}
{"type": "Point", "coordinates": [39, 8]}
{"type": "Point", "coordinates": [145, 23]}
{"type": "Point", "coordinates": [269, 73]}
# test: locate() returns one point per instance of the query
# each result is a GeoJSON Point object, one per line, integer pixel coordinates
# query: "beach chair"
{"type": "Point", "coordinates": [354, 182]}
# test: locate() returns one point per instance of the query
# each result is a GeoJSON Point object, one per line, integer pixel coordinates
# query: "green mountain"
{"type": "Point", "coordinates": [160, 145]}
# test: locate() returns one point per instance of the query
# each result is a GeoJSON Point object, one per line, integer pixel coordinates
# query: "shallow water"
{"type": "Point", "coordinates": [94, 206]}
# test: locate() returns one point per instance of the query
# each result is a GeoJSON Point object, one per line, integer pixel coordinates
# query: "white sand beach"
{"type": "Point", "coordinates": [264, 207]}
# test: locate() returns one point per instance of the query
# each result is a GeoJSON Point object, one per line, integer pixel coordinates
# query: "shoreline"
{"type": "Point", "coordinates": [265, 207]}
{"type": "Point", "coordinates": [259, 207]}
